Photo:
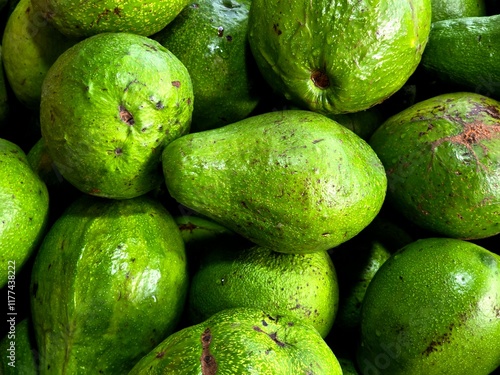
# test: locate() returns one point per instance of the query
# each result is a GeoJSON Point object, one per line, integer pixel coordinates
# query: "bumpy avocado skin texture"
{"type": "Point", "coordinates": [294, 181]}
{"type": "Point", "coordinates": [242, 341]}
{"type": "Point", "coordinates": [261, 278]}
{"type": "Point", "coordinates": [210, 38]}
{"type": "Point", "coordinates": [108, 284]}
{"type": "Point", "coordinates": [109, 105]}
{"type": "Point", "coordinates": [432, 308]}
{"type": "Point", "coordinates": [30, 46]}
{"type": "Point", "coordinates": [442, 158]}
{"type": "Point", "coordinates": [338, 56]}
{"type": "Point", "coordinates": [24, 210]}
{"type": "Point", "coordinates": [466, 52]}
{"type": "Point", "coordinates": [84, 18]}
{"type": "Point", "coordinates": [18, 350]}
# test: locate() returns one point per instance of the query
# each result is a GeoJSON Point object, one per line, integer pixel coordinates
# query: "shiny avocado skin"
{"type": "Point", "coordinates": [294, 181]}
{"type": "Point", "coordinates": [442, 158]}
{"type": "Point", "coordinates": [338, 56]}
{"type": "Point", "coordinates": [432, 308]}
{"type": "Point", "coordinates": [242, 341]}
{"type": "Point", "coordinates": [210, 39]}
{"type": "Point", "coordinates": [108, 284]}
{"type": "Point", "coordinates": [465, 51]}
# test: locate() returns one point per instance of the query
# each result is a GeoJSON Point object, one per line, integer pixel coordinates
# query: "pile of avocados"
{"type": "Point", "coordinates": [226, 187]}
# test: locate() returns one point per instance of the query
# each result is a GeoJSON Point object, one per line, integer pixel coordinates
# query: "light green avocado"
{"type": "Point", "coordinates": [226, 82]}
{"type": "Point", "coordinates": [442, 158]}
{"type": "Point", "coordinates": [30, 45]}
{"type": "Point", "coordinates": [108, 284]}
{"type": "Point", "coordinates": [466, 52]}
{"type": "Point", "coordinates": [293, 181]}
{"type": "Point", "coordinates": [433, 309]}
{"type": "Point", "coordinates": [84, 18]}
{"type": "Point", "coordinates": [338, 56]}
{"type": "Point", "coordinates": [109, 105]}
{"type": "Point", "coordinates": [242, 341]}
{"type": "Point", "coordinates": [24, 211]}
{"type": "Point", "coordinates": [303, 285]}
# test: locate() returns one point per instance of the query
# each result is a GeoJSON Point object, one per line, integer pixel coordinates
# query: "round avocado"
{"type": "Point", "coordinates": [433, 308]}
{"type": "Point", "coordinates": [303, 285]}
{"type": "Point", "coordinates": [24, 211]}
{"type": "Point", "coordinates": [341, 56]}
{"type": "Point", "coordinates": [442, 160]}
{"type": "Point", "coordinates": [109, 106]}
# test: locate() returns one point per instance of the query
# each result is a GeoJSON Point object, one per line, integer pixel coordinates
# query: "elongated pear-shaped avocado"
{"type": "Point", "coordinates": [108, 284]}
{"type": "Point", "coordinates": [294, 181]}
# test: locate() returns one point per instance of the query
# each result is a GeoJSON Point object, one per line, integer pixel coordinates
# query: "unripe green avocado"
{"type": "Point", "coordinates": [84, 18]}
{"type": "Point", "coordinates": [109, 105]}
{"type": "Point", "coordinates": [466, 52]}
{"type": "Point", "coordinates": [433, 309]}
{"type": "Point", "coordinates": [24, 211]}
{"type": "Point", "coordinates": [338, 56]}
{"type": "Point", "coordinates": [442, 158]}
{"type": "Point", "coordinates": [242, 341]}
{"type": "Point", "coordinates": [226, 82]}
{"type": "Point", "coordinates": [293, 181]}
{"type": "Point", "coordinates": [108, 284]}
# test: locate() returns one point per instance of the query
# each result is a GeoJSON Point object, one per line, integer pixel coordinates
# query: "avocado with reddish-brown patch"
{"type": "Point", "coordinates": [442, 159]}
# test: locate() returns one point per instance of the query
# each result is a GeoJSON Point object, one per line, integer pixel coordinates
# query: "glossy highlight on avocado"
{"type": "Point", "coordinates": [293, 181]}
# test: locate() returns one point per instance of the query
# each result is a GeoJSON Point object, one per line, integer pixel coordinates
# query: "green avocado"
{"type": "Point", "coordinates": [294, 181]}
{"type": "Point", "coordinates": [226, 81]}
{"type": "Point", "coordinates": [108, 284]}
{"type": "Point", "coordinates": [341, 56]}
{"type": "Point", "coordinates": [433, 309]}
{"type": "Point", "coordinates": [442, 158]}
{"type": "Point", "coordinates": [109, 105]}
{"type": "Point", "coordinates": [24, 211]}
{"type": "Point", "coordinates": [242, 341]}
{"type": "Point", "coordinates": [30, 45]}
{"type": "Point", "coordinates": [259, 277]}
{"type": "Point", "coordinates": [451, 9]}
{"type": "Point", "coordinates": [465, 51]}
{"type": "Point", "coordinates": [84, 18]}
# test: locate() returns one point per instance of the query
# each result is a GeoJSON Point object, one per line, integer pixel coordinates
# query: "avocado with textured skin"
{"type": "Point", "coordinates": [433, 308]}
{"type": "Point", "coordinates": [442, 158]}
{"type": "Point", "coordinates": [242, 341]}
{"type": "Point", "coordinates": [294, 181]}
{"type": "Point", "coordinates": [226, 82]}
{"type": "Point", "coordinates": [108, 284]}
{"type": "Point", "coordinates": [338, 56]}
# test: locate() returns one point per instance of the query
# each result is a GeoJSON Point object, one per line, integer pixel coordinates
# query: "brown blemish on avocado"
{"type": "Point", "coordinates": [472, 134]}
{"type": "Point", "coordinates": [208, 363]}
{"type": "Point", "coordinates": [320, 79]}
{"type": "Point", "coordinates": [273, 336]}
{"type": "Point", "coordinates": [126, 116]}
{"type": "Point", "coordinates": [188, 226]}
{"type": "Point", "coordinates": [220, 31]}
{"type": "Point", "coordinates": [160, 354]}
{"type": "Point", "coordinates": [176, 84]}
{"type": "Point", "coordinates": [440, 341]}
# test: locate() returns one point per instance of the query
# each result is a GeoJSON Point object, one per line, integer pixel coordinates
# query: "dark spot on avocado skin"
{"type": "Point", "coordinates": [276, 29]}
{"type": "Point", "coordinates": [34, 290]}
{"type": "Point", "coordinates": [320, 79]}
{"type": "Point", "coordinates": [176, 84]}
{"type": "Point", "coordinates": [208, 363]}
{"type": "Point", "coordinates": [126, 116]}
{"type": "Point", "coordinates": [160, 354]}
